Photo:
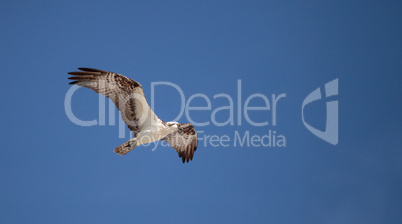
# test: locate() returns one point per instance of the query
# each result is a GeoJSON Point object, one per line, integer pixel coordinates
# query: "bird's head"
{"type": "Point", "coordinates": [174, 125]}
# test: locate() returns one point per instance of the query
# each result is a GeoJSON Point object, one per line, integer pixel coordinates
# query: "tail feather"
{"type": "Point", "coordinates": [125, 148]}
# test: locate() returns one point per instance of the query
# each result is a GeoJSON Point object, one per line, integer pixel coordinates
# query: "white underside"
{"type": "Point", "coordinates": [152, 133]}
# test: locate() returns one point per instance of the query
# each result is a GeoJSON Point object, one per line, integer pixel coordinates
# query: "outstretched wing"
{"type": "Point", "coordinates": [126, 93]}
{"type": "Point", "coordinates": [185, 141]}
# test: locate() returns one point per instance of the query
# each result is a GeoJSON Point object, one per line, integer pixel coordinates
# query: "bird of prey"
{"type": "Point", "coordinates": [129, 98]}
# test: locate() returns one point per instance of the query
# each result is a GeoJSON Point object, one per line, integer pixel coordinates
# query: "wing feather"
{"type": "Point", "coordinates": [184, 141]}
{"type": "Point", "coordinates": [126, 94]}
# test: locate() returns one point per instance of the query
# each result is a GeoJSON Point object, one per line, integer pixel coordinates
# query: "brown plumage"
{"type": "Point", "coordinates": [128, 96]}
{"type": "Point", "coordinates": [125, 93]}
{"type": "Point", "coordinates": [184, 141]}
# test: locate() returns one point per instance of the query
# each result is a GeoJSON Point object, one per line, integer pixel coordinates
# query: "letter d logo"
{"type": "Point", "coordinates": [331, 133]}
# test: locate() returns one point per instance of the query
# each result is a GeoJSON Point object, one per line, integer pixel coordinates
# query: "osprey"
{"type": "Point", "coordinates": [129, 98]}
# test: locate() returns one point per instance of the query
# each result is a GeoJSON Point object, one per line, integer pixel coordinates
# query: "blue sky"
{"type": "Point", "coordinates": [54, 171]}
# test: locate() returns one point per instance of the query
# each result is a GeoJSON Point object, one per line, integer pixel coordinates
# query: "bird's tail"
{"type": "Point", "coordinates": [126, 147]}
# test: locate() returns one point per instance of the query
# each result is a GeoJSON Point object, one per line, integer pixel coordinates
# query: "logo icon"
{"type": "Point", "coordinates": [330, 134]}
